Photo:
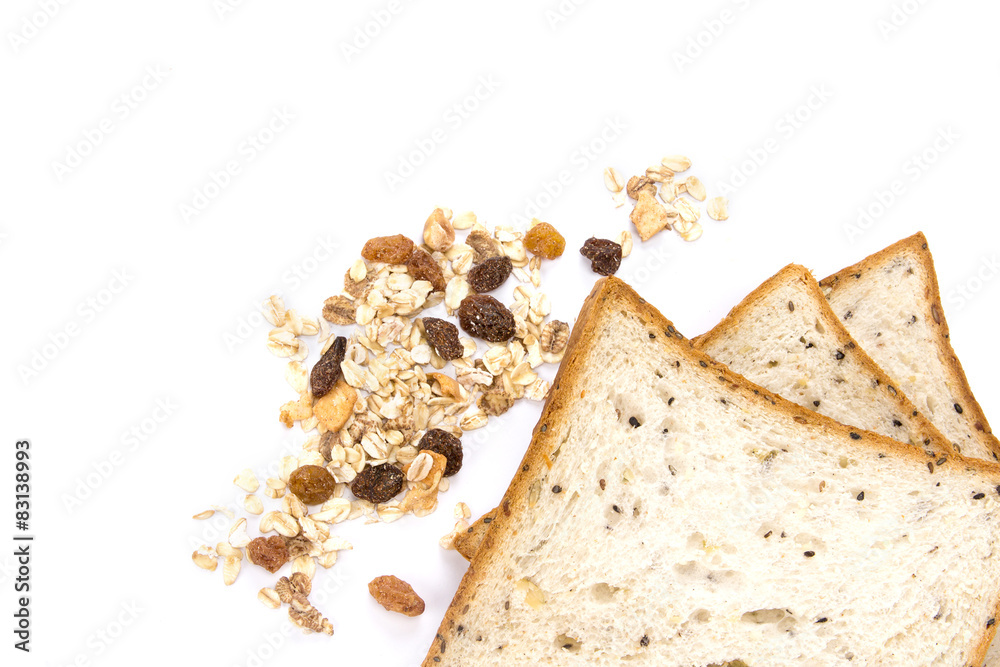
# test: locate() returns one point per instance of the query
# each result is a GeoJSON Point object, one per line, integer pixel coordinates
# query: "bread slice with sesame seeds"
{"type": "Point", "coordinates": [785, 337]}
{"type": "Point", "coordinates": [891, 305]}
{"type": "Point", "coordinates": [670, 512]}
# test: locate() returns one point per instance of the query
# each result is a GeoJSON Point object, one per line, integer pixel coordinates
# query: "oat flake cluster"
{"type": "Point", "coordinates": [382, 410]}
{"type": "Point", "coordinates": [659, 201]}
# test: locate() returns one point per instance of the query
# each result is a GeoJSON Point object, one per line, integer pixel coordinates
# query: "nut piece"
{"type": "Point", "coordinates": [334, 409]}
{"type": "Point", "coordinates": [695, 187]}
{"type": "Point", "coordinates": [339, 310]}
{"type": "Point", "coordinates": [638, 184]}
{"type": "Point", "coordinates": [269, 553]}
{"type": "Point", "coordinates": [613, 180]}
{"type": "Point", "coordinates": [554, 337]}
{"type": "Point", "coordinates": [396, 595]}
{"type": "Point", "coordinates": [649, 216]}
{"type": "Point", "coordinates": [438, 231]}
{"type": "Point", "coordinates": [676, 163]}
{"type": "Point", "coordinates": [388, 249]}
{"type": "Point", "coordinates": [482, 244]}
{"type": "Point", "coordinates": [718, 208]}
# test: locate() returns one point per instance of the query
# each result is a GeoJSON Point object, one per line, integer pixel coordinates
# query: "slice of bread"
{"type": "Point", "coordinates": [670, 512]}
{"type": "Point", "coordinates": [891, 305]}
{"type": "Point", "coordinates": [784, 337]}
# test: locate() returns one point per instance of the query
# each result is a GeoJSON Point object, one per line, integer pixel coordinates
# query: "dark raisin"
{"type": "Point", "coordinates": [605, 256]}
{"type": "Point", "coordinates": [490, 274]}
{"type": "Point", "coordinates": [313, 485]}
{"type": "Point", "coordinates": [422, 266]}
{"type": "Point", "coordinates": [268, 552]}
{"type": "Point", "coordinates": [326, 372]}
{"type": "Point", "coordinates": [378, 484]}
{"type": "Point", "coordinates": [388, 249]}
{"type": "Point", "coordinates": [445, 444]}
{"type": "Point", "coordinates": [443, 337]}
{"type": "Point", "coordinates": [484, 317]}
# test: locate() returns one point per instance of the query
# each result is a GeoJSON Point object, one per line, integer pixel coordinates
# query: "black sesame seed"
{"type": "Point", "coordinates": [525, 468]}
{"type": "Point", "coordinates": [506, 605]}
{"type": "Point", "coordinates": [603, 484]}
{"type": "Point", "coordinates": [767, 534]}
{"type": "Point", "coordinates": [848, 315]}
{"type": "Point", "coordinates": [861, 496]}
{"type": "Point", "coordinates": [941, 461]}
{"type": "Point", "coordinates": [703, 364]}
{"type": "Point", "coordinates": [958, 408]}
{"type": "Point", "coordinates": [488, 519]}
{"type": "Point", "coordinates": [810, 345]}
{"type": "Point", "coordinates": [998, 489]}
{"type": "Point", "coordinates": [556, 489]}
{"type": "Point", "coordinates": [897, 423]}
{"type": "Point", "coordinates": [809, 554]}
{"type": "Point", "coordinates": [930, 466]}
{"type": "Point", "coordinates": [652, 335]}
{"type": "Point", "coordinates": [855, 436]}
{"type": "Point", "coordinates": [666, 430]}
{"type": "Point", "coordinates": [990, 622]}
{"type": "Point", "coordinates": [816, 403]}
{"type": "Point", "coordinates": [783, 534]}
{"type": "Point", "coordinates": [618, 510]}
{"type": "Point", "coordinates": [979, 496]}
{"type": "Point", "coordinates": [791, 306]}
{"type": "Point", "coordinates": [821, 620]}
{"type": "Point", "coordinates": [545, 427]}
{"type": "Point", "coordinates": [460, 628]}
{"type": "Point", "coordinates": [671, 328]}
{"type": "Point", "coordinates": [670, 401]}
{"type": "Point", "coordinates": [634, 422]}
{"type": "Point", "coordinates": [839, 355]}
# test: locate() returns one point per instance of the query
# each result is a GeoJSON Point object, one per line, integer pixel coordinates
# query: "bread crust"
{"type": "Point", "coordinates": [560, 399]}
{"type": "Point", "coordinates": [916, 246]}
{"type": "Point", "coordinates": [887, 385]}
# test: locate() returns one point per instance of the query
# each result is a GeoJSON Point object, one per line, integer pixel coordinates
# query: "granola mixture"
{"type": "Point", "coordinates": [385, 406]}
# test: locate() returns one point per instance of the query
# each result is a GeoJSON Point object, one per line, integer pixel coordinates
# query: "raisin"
{"type": "Point", "coordinates": [490, 274]}
{"type": "Point", "coordinates": [268, 552]}
{"type": "Point", "coordinates": [543, 240]}
{"type": "Point", "coordinates": [326, 372]}
{"type": "Point", "coordinates": [396, 595]}
{"type": "Point", "coordinates": [378, 484]}
{"type": "Point", "coordinates": [389, 249]}
{"type": "Point", "coordinates": [443, 337]}
{"type": "Point", "coordinates": [445, 444]}
{"type": "Point", "coordinates": [422, 266]}
{"type": "Point", "coordinates": [312, 484]}
{"type": "Point", "coordinates": [485, 317]}
{"type": "Point", "coordinates": [482, 244]}
{"type": "Point", "coordinates": [605, 256]}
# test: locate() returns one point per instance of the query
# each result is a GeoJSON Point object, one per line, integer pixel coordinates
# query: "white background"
{"type": "Point", "coordinates": [880, 95]}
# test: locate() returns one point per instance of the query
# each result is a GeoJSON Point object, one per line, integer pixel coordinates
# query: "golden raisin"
{"type": "Point", "coordinates": [422, 266]}
{"type": "Point", "coordinates": [268, 552]}
{"type": "Point", "coordinates": [312, 485]}
{"type": "Point", "coordinates": [389, 249]}
{"type": "Point", "coordinates": [396, 595]}
{"type": "Point", "coordinates": [543, 240]}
